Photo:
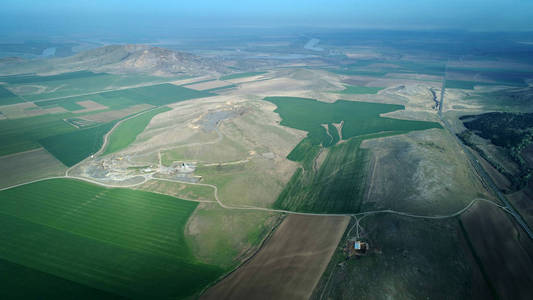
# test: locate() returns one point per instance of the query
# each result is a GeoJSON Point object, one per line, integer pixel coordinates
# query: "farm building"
{"type": "Point", "coordinates": [356, 248]}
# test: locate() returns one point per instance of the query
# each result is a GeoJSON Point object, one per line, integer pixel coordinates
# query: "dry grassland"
{"type": "Point", "coordinates": [226, 237]}
{"type": "Point", "coordinates": [179, 190]}
{"type": "Point", "coordinates": [27, 166]}
{"type": "Point", "coordinates": [208, 85]}
{"type": "Point", "coordinates": [107, 116]}
{"type": "Point", "coordinates": [89, 106]}
{"type": "Point", "coordinates": [422, 172]}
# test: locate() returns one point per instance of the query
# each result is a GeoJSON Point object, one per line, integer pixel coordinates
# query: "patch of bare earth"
{"type": "Point", "coordinates": [89, 105]}
{"type": "Point", "coordinates": [290, 263]}
{"type": "Point", "coordinates": [27, 166]}
{"type": "Point", "coordinates": [208, 85]}
{"type": "Point", "coordinates": [106, 116]}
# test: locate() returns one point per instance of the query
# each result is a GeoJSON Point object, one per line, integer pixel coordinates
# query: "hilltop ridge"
{"type": "Point", "coordinates": [121, 59]}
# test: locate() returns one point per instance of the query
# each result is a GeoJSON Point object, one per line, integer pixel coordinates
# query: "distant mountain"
{"type": "Point", "coordinates": [122, 59]}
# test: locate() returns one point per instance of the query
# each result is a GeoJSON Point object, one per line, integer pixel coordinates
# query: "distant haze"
{"type": "Point", "coordinates": [85, 16]}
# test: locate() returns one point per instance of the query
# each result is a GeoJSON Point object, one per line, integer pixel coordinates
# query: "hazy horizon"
{"type": "Point", "coordinates": [55, 17]}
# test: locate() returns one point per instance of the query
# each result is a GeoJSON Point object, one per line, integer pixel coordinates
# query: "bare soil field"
{"type": "Point", "coordinates": [89, 106]}
{"type": "Point", "coordinates": [27, 166]}
{"type": "Point", "coordinates": [40, 111]}
{"type": "Point", "coordinates": [191, 80]}
{"type": "Point", "coordinates": [208, 85]}
{"type": "Point", "coordinates": [503, 250]}
{"type": "Point", "coordinates": [117, 114]}
{"type": "Point", "coordinates": [246, 79]}
{"type": "Point", "coordinates": [290, 263]}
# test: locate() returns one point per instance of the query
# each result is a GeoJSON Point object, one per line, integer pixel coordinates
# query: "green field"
{"type": "Point", "coordinates": [160, 94]}
{"type": "Point", "coordinates": [359, 118]}
{"type": "Point", "coordinates": [467, 85]}
{"type": "Point", "coordinates": [64, 140]}
{"type": "Point", "coordinates": [120, 241]}
{"type": "Point", "coordinates": [71, 148]}
{"type": "Point", "coordinates": [240, 75]}
{"type": "Point", "coordinates": [358, 90]}
{"type": "Point", "coordinates": [28, 283]}
{"type": "Point", "coordinates": [380, 68]}
{"type": "Point", "coordinates": [338, 185]}
{"type": "Point", "coordinates": [127, 131]}
{"type": "Point", "coordinates": [18, 135]}
{"type": "Point", "coordinates": [35, 88]}
{"type": "Point", "coordinates": [7, 97]}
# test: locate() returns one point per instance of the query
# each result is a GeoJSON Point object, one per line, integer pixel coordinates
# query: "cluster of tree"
{"type": "Point", "coordinates": [511, 131]}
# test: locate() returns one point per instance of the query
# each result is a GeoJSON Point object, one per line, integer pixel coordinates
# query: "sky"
{"type": "Point", "coordinates": [78, 15]}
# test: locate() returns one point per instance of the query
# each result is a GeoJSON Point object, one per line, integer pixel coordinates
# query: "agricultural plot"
{"type": "Point", "coordinates": [71, 148]}
{"type": "Point", "coordinates": [27, 283]}
{"type": "Point", "coordinates": [338, 185]}
{"type": "Point", "coordinates": [24, 79]}
{"type": "Point", "coordinates": [35, 88]}
{"type": "Point", "coordinates": [502, 251]}
{"type": "Point", "coordinates": [17, 135]}
{"type": "Point", "coordinates": [225, 237]}
{"type": "Point", "coordinates": [240, 75]}
{"type": "Point", "coordinates": [129, 243]}
{"type": "Point", "coordinates": [161, 94]}
{"type": "Point", "coordinates": [377, 68]}
{"type": "Point", "coordinates": [466, 85]}
{"type": "Point", "coordinates": [7, 97]}
{"type": "Point", "coordinates": [289, 265]}
{"type": "Point", "coordinates": [359, 90]}
{"type": "Point", "coordinates": [27, 166]}
{"type": "Point", "coordinates": [127, 131]}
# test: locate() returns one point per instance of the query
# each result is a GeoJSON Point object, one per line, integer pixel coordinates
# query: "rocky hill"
{"type": "Point", "coordinates": [122, 59]}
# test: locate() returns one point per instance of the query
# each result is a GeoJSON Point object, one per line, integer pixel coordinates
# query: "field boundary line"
{"type": "Point", "coordinates": [23, 152]}
{"type": "Point", "coordinates": [363, 214]}
{"type": "Point", "coordinates": [106, 138]}
{"type": "Point", "coordinates": [246, 260]}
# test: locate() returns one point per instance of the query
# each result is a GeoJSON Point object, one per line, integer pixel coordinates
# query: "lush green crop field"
{"type": "Point", "coordinates": [7, 97]}
{"type": "Point", "coordinates": [71, 148]}
{"type": "Point", "coordinates": [338, 185]}
{"type": "Point", "coordinates": [127, 131]}
{"type": "Point", "coordinates": [18, 135]}
{"type": "Point", "coordinates": [161, 94]}
{"type": "Point", "coordinates": [23, 79]}
{"type": "Point", "coordinates": [28, 283]}
{"type": "Point", "coordinates": [240, 75]}
{"type": "Point", "coordinates": [358, 90]}
{"type": "Point", "coordinates": [121, 241]}
{"type": "Point", "coordinates": [359, 118]}
{"type": "Point", "coordinates": [76, 83]}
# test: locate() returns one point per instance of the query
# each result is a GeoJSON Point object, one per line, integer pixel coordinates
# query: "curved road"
{"type": "Point", "coordinates": [481, 171]}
